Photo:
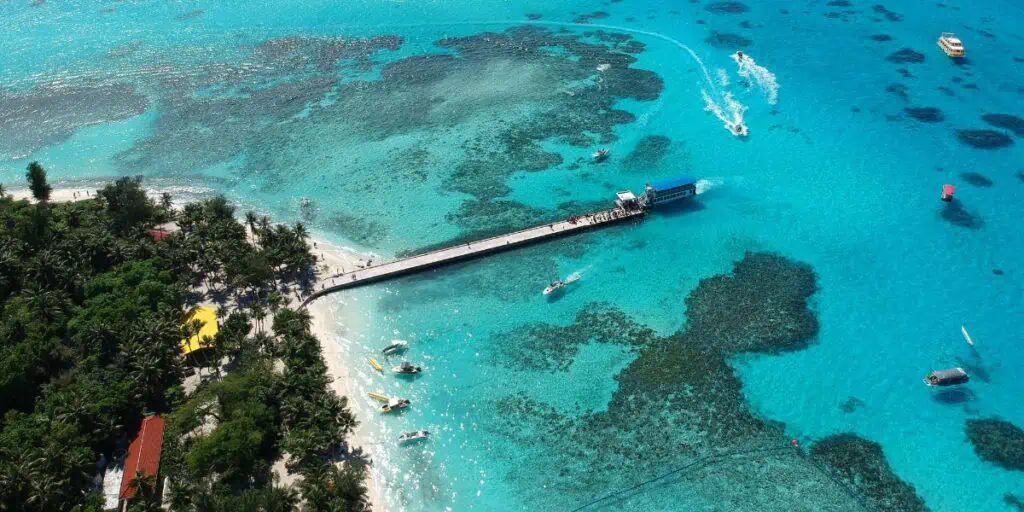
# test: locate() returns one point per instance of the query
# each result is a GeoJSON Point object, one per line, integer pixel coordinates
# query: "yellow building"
{"type": "Point", "coordinates": [208, 318]}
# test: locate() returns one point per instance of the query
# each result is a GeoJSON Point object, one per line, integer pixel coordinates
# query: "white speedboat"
{"type": "Point", "coordinates": [395, 347]}
{"type": "Point", "coordinates": [406, 368]}
{"type": "Point", "coordinates": [557, 285]}
{"type": "Point", "coordinates": [413, 436]}
{"type": "Point", "coordinates": [600, 155]}
{"type": "Point", "coordinates": [739, 57]}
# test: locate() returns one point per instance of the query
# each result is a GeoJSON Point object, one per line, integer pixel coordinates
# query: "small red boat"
{"type": "Point", "coordinates": [947, 192]}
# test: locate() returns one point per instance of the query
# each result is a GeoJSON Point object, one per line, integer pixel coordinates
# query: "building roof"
{"type": "Point", "coordinates": [670, 183]}
{"type": "Point", "coordinates": [208, 317]}
{"type": "Point", "coordinates": [143, 454]}
{"type": "Point", "coordinates": [158, 234]}
{"type": "Point", "coordinates": [625, 195]}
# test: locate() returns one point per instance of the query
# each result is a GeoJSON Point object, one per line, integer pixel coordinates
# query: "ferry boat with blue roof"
{"type": "Point", "coordinates": [659, 192]}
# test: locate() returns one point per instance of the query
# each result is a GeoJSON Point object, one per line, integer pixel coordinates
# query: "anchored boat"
{"type": "Point", "coordinates": [950, 377]}
{"type": "Point", "coordinates": [413, 436]}
{"type": "Point", "coordinates": [951, 45]}
{"type": "Point", "coordinates": [395, 404]}
{"type": "Point", "coordinates": [600, 155]}
{"type": "Point", "coordinates": [406, 368]}
{"type": "Point", "coordinates": [375, 364]}
{"type": "Point", "coordinates": [395, 347]}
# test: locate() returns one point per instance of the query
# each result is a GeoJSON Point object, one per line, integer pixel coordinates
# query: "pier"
{"type": "Point", "coordinates": [462, 252]}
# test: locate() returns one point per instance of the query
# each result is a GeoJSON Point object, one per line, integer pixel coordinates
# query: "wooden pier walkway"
{"type": "Point", "coordinates": [467, 251]}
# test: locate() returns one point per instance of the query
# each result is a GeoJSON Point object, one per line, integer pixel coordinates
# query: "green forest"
{"type": "Point", "coordinates": [91, 322]}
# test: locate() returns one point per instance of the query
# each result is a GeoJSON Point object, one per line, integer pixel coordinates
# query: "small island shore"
{"type": "Point", "coordinates": [327, 320]}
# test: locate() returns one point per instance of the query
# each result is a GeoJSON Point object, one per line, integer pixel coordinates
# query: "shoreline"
{"type": "Point", "coordinates": [325, 324]}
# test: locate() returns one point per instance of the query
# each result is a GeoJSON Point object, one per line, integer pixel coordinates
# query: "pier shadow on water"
{"type": "Point", "coordinates": [678, 208]}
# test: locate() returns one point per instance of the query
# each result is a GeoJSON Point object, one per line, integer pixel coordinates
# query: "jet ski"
{"type": "Point", "coordinates": [739, 130]}
{"type": "Point", "coordinates": [406, 368]}
{"type": "Point", "coordinates": [395, 347]}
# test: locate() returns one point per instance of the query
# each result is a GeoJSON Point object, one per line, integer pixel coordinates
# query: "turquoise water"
{"type": "Point", "coordinates": [254, 100]}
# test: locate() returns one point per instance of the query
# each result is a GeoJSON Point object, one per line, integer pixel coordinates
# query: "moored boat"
{"type": "Point", "coordinates": [395, 404]}
{"type": "Point", "coordinates": [951, 45]}
{"type": "Point", "coordinates": [948, 377]}
{"type": "Point", "coordinates": [600, 155]}
{"type": "Point", "coordinates": [413, 436]}
{"type": "Point", "coordinates": [395, 347]}
{"type": "Point", "coordinates": [376, 365]}
{"type": "Point", "coordinates": [407, 368]}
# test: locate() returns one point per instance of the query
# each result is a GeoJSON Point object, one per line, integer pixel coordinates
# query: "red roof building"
{"type": "Point", "coordinates": [158, 234]}
{"type": "Point", "coordinates": [143, 454]}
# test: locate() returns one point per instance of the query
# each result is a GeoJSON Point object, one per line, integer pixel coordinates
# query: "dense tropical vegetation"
{"type": "Point", "coordinates": [91, 305]}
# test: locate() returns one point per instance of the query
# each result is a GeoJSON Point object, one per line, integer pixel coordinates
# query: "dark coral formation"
{"type": "Point", "coordinates": [906, 56]}
{"type": "Point", "coordinates": [65, 109]}
{"type": "Point", "coordinates": [1020, 175]}
{"type": "Point", "coordinates": [678, 401]}
{"type": "Point", "coordinates": [532, 16]}
{"type": "Point", "coordinates": [1006, 121]}
{"type": "Point", "coordinates": [860, 464]}
{"type": "Point", "coordinates": [889, 15]}
{"type": "Point", "coordinates": [881, 38]}
{"type": "Point", "coordinates": [585, 18]}
{"type": "Point", "coordinates": [926, 114]}
{"type": "Point", "coordinates": [839, 3]}
{"type": "Point", "coordinates": [191, 15]}
{"type": "Point", "coordinates": [1014, 501]}
{"type": "Point", "coordinates": [851, 404]}
{"type": "Point", "coordinates": [725, 40]}
{"type": "Point", "coordinates": [984, 139]}
{"type": "Point", "coordinates": [552, 348]}
{"type": "Point", "coordinates": [956, 214]}
{"type": "Point", "coordinates": [727, 7]}
{"type": "Point", "coordinates": [649, 150]}
{"type": "Point", "coordinates": [976, 179]}
{"type": "Point", "coordinates": [899, 90]}
{"type": "Point", "coordinates": [489, 99]}
{"type": "Point", "coordinates": [997, 441]}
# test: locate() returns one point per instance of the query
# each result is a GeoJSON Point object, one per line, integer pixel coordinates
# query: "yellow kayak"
{"type": "Point", "coordinates": [379, 397]}
{"type": "Point", "coordinates": [376, 365]}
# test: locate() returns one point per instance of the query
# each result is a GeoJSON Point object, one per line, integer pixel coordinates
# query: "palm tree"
{"type": "Point", "coordinates": [250, 222]}
{"type": "Point", "coordinates": [2, 191]}
{"type": "Point", "coordinates": [166, 201]}
{"type": "Point", "coordinates": [36, 177]}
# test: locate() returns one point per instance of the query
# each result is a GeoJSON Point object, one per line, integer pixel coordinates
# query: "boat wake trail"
{"type": "Point", "coordinates": [726, 109]}
{"type": "Point", "coordinates": [708, 184]}
{"type": "Point", "coordinates": [759, 75]}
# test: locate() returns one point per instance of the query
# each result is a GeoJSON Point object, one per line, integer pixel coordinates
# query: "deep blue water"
{"type": "Point", "coordinates": [254, 100]}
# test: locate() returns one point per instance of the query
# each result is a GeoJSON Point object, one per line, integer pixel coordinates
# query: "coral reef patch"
{"type": "Point", "coordinates": [926, 114]}
{"type": "Point", "coordinates": [997, 441]}
{"type": "Point", "coordinates": [906, 56]}
{"type": "Point", "coordinates": [649, 151]}
{"type": "Point", "coordinates": [860, 464]}
{"type": "Point", "coordinates": [984, 139]}
{"type": "Point", "coordinates": [727, 7]}
{"type": "Point", "coordinates": [1006, 121]}
{"type": "Point", "coordinates": [976, 179]}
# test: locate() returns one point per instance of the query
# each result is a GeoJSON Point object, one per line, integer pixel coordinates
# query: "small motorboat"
{"type": "Point", "coordinates": [600, 155]}
{"type": "Point", "coordinates": [738, 57]}
{"type": "Point", "coordinates": [604, 67]}
{"type": "Point", "coordinates": [951, 45]}
{"type": "Point", "coordinates": [395, 404]}
{"type": "Point", "coordinates": [739, 130]}
{"type": "Point", "coordinates": [396, 347]}
{"type": "Point", "coordinates": [413, 436]}
{"type": "Point", "coordinates": [947, 193]}
{"type": "Point", "coordinates": [407, 368]}
{"type": "Point", "coordinates": [559, 284]}
{"type": "Point", "coordinates": [950, 377]}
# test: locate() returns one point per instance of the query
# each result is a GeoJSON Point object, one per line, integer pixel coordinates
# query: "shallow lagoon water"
{"type": "Point", "coordinates": [837, 174]}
